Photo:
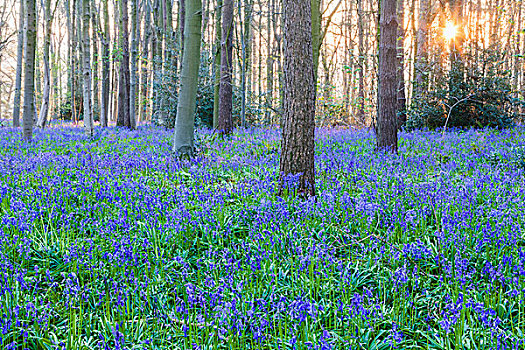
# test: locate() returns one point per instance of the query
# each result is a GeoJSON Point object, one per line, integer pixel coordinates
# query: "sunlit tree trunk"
{"type": "Point", "coordinates": [225, 122]}
{"type": "Point", "coordinates": [19, 61]}
{"type": "Point", "coordinates": [422, 48]}
{"type": "Point", "coordinates": [95, 105]}
{"type": "Point", "coordinates": [298, 144]}
{"type": "Point", "coordinates": [387, 93]}
{"type": "Point", "coordinates": [185, 122]}
{"type": "Point", "coordinates": [29, 69]}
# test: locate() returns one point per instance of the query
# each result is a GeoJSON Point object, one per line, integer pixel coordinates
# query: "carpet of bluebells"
{"type": "Point", "coordinates": [113, 243]}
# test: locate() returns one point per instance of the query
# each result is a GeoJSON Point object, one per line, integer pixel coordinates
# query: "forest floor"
{"type": "Point", "coordinates": [112, 243]}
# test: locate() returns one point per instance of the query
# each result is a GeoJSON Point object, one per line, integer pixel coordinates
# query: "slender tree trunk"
{"type": "Point", "coordinates": [44, 108]}
{"type": "Point", "coordinates": [269, 65]}
{"type": "Point", "coordinates": [387, 93]}
{"type": "Point", "coordinates": [316, 34]}
{"type": "Point", "coordinates": [401, 97]}
{"type": "Point", "coordinates": [298, 145]}
{"type": "Point", "coordinates": [157, 62]}
{"type": "Point", "coordinates": [95, 96]}
{"type": "Point", "coordinates": [86, 58]}
{"type": "Point", "coordinates": [361, 63]}
{"type": "Point", "coordinates": [29, 69]}
{"type": "Point", "coordinates": [104, 106]}
{"type": "Point", "coordinates": [245, 43]}
{"type": "Point", "coordinates": [225, 123]}
{"type": "Point", "coordinates": [217, 63]}
{"type": "Point", "coordinates": [19, 61]}
{"type": "Point", "coordinates": [145, 56]}
{"type": "Point", "coordinates": [133, 68]}
{"type": "Point", "coordinates": [124, 117]}
{"type": "Point", "coordinates": [422, 47]}
{"type": "Point", "coordinates": [185, 122]}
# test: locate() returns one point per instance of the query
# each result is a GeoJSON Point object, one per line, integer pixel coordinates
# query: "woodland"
{"type": "Point", "coordinates": [262, 174]}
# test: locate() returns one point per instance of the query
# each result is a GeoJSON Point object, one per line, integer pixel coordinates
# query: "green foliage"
{"type": "Point", "coordinates": [467, 96]}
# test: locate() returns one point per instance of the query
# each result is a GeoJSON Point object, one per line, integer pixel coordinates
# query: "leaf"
{"type": "Point", "coordinates": [5, 206]}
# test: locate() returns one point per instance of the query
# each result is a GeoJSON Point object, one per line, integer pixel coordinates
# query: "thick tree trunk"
{"type": "Point", "coordinates": [225, 122]}
{"type": "Point", "coordinates": [44, 108]}
{"type": "Point", "coordinates": [86, 72]}
{"type": "Point", "coordinates": [387, 93]}
{"type": "Point", "coordinates": [19, 61]}
{"type": "Point", "coordinates": [104, 106]}
{"type": "Point", "coordinates": [217, 63]}
{"type": "Point", "coordinates": [124, 117]}
{"type": "Point", "coordinates": [29, 69]}
{"type": "Point", "coordinates": [298, 145]}
{"type": "Point", "coordinates": [185, 122]}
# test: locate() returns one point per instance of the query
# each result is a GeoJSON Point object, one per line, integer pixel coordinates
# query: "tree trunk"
{"type": "Point", "coordinates": [95, 106]}
{"type": "Point", "coordinates": [185, 122]}
{"type": "Point", "coordinates": [316, 34]}
{"type": "Point", "coordinates": [401, 97]}
{"type": "Point", "coordinates": [298, 145]}
{"type": "Point", "coordinates": [217, 63]}
{"type": "Point", "coordinates": [44, 108]}
{"type": "Point", "coordinates": [104, 106]}
{"type": "Point", "coordinates": [387, 91]}
{"type": "Point", "coordinates": [422, 48]}
{"type": "Point", "coordinates": [361, 63]}
{"type": "Point", "coordinates": [124, 117]}
{"type": "Point", "coordinates": [29, 69]}
{"type": "Point", "coordinates": [133, 73]}
{"type": "Point", "coordinates": [19, 61]}
{"type": "Point", "coordinates": [86, 60]}
{"type": "Point", "coordinates": [225, 122]}
{"type": "Point", "coordinates": [246, 51]}
{"type": "Point", "coordinates": [269, 65]}
{"type": "Point", "coordinates": [145, 58]}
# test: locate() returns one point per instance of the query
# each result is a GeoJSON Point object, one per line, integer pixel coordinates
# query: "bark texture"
{"type": "Point", "coordinates": [86, 68]}
{"type": "Point", "coordinates": [104, 105]}
{"type": "Point", "coordinates": [387, 93]}
{"type": "Point", "coordinates": [29, 70]}
{"type": "Point", "coordinates": [225, 122]}
{"type": "Point", "coordinates": [19, 61]}
{"type": "Point", "coordinates": [124, 117]}
{"type": "Point", "coordinates": [44, 108]}
{"type": "Point", "coordinates": [185, 122]}
{"type": "Point", "coordinates": [297, 150]}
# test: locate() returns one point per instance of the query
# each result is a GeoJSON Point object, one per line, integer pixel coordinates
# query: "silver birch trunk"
{"type": "Point", "coordinates": [133, 69]}
{"type": "Point", "coordinates": [44, 108]}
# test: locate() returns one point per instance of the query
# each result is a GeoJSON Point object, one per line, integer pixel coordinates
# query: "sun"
{"type": "Point", "coordinates": [450, 31]}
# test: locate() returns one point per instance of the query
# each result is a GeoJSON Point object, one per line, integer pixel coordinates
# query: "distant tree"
{"type": "Point", "coordinates": [298, 144]}
{"type": "Point", "coordinates": [387, 91]}
{"type": "Point", "coordinates": [19, 62]}
{"type": "Point", "coordinates": [225, 122]}
{"type": "Point", "coordinates": [185, 122]}
{"type": "Point", "coordinates": [29, 69]}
